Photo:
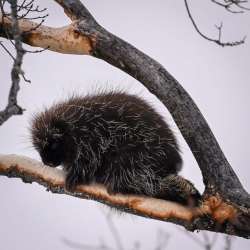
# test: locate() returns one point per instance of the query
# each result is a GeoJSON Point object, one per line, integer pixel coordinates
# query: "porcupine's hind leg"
{"type": "Point", "coordinates": [177, 188]}
{"type": "Point", "coordinates": [137, 172]}
{"type": "Point", "coordinates": [125, 173]}
{"type": "Point", "coordinates": [133, 181]}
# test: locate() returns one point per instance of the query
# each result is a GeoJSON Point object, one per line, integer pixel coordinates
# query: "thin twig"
{"type": "Point", "coordinates": [228, 242]}
{"type": "Point", "coordinates": [27, 6]}
{"type": "Point", "coordinates": [7, 51]}
{"type": "Point", "coordinates": [114, 232]}
{"type": "Point", "coordinates": [229, 4]}
{"type": "Point", "coordinates": [214, 239]}
{"type": "Point", "coordinates": [162, 240]}
{"type": "Point", "coordinates": [35, 27]}
{"type": "Point", "coordinates": [80, 246]}
{"type": "Point", "coordinates": [206, 242]}
{"type": "Point", "coordinates": [33, 18]}
{"type": "Point", "coordinates": [218, 40]}
{"type": "Point", "coordinates": [193, 237]}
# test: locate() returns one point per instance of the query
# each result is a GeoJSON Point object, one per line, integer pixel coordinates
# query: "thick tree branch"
{"type": "Point", "coordinates": [86, 36]}
{"type": "Point", "coordinates": [212, 215]}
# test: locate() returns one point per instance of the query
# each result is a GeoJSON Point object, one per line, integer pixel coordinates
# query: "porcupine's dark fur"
{"type": "Point", "coordinates": [115, 139]}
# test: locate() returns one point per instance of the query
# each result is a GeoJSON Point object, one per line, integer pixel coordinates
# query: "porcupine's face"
{"type": "Point", "coordinates": [53, 152]}
{"type": "Point", "coordinates": [50, 141]}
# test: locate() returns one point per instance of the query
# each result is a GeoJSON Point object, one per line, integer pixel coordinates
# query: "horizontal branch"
{"type": "Point", "coordinates": [213, 214]}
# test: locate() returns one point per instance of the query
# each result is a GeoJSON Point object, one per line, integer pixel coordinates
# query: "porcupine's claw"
{"type": "Point", "coordinates": [177, 188]}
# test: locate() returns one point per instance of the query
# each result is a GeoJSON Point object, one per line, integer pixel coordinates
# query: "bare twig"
{"type": "Point", "coordinates": [214, 239]}
{"type": "Point", "coordinates": [7, 51]}
{"type": "Point", "coordinates": [208, 243]}
{"type": "Point", "coordinates": [114, 232]}
{"type": "Point", "coordinates": [228, 242]}
{"type": "Point", "coordinates": [218, 40]}
{"type": "Point", "coordinates": [162, 240]}
{"type": "Point", "coordinates": [229, 4]}
{"type": "Point", "coordinates": [81, 246]}
{"type": "Point", "coordinates": [34, 28]}
{"type": "Point", "coordinates": [23, 51]}
{"type": "Point", "coordinates": [193, 237]}
{"type": "Point", "coordinates": [12, 107]}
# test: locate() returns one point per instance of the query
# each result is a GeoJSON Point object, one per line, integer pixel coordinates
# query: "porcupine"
{"type": "Point", "coordinates": [115, 139]}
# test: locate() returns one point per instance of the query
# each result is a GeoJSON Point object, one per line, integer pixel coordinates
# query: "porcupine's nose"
{"type": "Point", "coordinates": [49, 163]}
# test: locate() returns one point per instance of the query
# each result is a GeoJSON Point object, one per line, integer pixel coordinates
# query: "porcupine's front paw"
{"type": "Point", "coordinates": [112, 190]}
{"type": "Point", "coordinates": [190, 195]}
{"type": "Point", "coordinates": [115, 189]}
{"type": "Point", "coordinates": [194, 198]}
{"type": "Point", "coordinates": [71, 182]}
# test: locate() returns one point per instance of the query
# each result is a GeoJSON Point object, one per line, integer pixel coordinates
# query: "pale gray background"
{"type": "Point", "coordinates": [217, 78]}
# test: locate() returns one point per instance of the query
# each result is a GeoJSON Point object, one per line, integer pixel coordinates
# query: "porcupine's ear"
{"type": "Point", "coordinates": [57, 134]}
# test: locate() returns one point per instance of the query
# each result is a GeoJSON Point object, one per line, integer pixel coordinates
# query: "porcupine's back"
{"type": "Point", "coordinates": [138, 148]}
{"type": "Point", "coordinates": [130, 122]}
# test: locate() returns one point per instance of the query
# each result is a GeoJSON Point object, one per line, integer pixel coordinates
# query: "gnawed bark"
{"type": "Point", "coordinates": [64, 40]}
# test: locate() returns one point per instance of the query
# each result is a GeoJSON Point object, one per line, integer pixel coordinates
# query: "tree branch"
{"type": "Point", "coordinates": [12, 107]}
{"type": "Point", "coordinates": [212, 215]}
{"type": "Point", "coordinates": [218, 40]}
{"type": "Point", "coordinates": [229, 4]}
{"type": "Point", "coordinates": [25, 8]}
{"type": "Point", "coordinates": [223, 188]}
{"type": "Point", "coordinates": [63, 40]}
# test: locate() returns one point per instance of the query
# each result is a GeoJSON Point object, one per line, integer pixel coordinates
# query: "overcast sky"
{"type": "Point", "coordinates": [217, 79]}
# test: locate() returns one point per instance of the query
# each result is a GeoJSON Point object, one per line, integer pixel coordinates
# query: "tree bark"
{"type": "Point", "coordinates": [211, 215]}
